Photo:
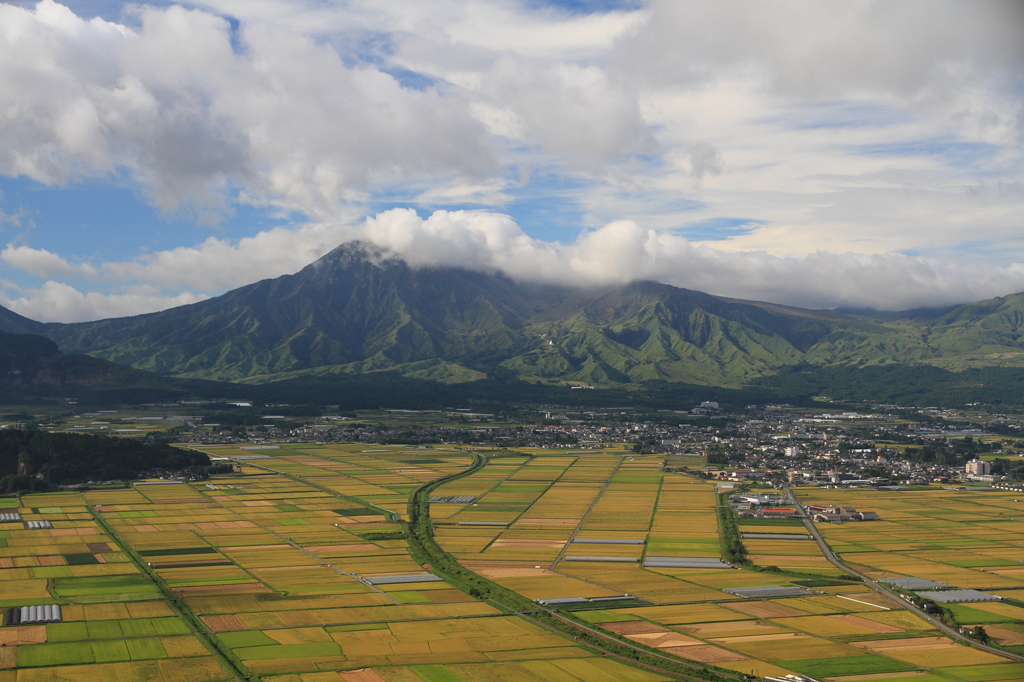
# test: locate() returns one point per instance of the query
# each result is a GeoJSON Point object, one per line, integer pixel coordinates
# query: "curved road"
{"type": "Point", "coordinates": [834, 559]}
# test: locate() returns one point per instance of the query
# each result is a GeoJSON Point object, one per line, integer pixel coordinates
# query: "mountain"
{"type": "Point", "coordinates": [30, 360]}
{"type": "Point", "coordinates": [13, 323]}
{"type": "Point", "coordinates": [360, 309]}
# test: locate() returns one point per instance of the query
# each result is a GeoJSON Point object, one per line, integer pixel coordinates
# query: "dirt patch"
{"type": "Point", "coordinates": [361, 675]}
{"type": "Point", "coordinates": [222, 623]}
{"type": "Point", "coordinates": [8, 657]}
{"type": "Point", "coordinates": [870, 624]}
{"type": "Point", "coordinates": [705, 653]}
{"type": "Point", "coordinates": [634, 627]}
{"type": "Point", "coordinates": [31, 634]}
{"type": "Point", "coordinates": [51, 560]}
{"type": "Point", "coordinates": [98, 547]}
{"type": "Point", "coordinates": [914, 644]}
{"type": "Point", "coordinates": [765, 609]}
{"type": "Point", "coordinates": [665, 640]}
{"type": "Point", "coordinates": [257, 503]}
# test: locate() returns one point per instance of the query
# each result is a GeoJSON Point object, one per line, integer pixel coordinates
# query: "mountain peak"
{"type": "Point", "coordinates": [356, 252]}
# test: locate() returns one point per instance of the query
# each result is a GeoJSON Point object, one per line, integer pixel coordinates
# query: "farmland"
{"type": "Point", "coordinates": [302, 564]}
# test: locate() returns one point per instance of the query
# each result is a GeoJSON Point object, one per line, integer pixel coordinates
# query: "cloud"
{"type": "Point", "coordinates": [43, 263]}
{"type": "Point", "coordinates": [217, 264]}
{"type": "Point", "coordinates": [842, 137]}
{"type": "Point", "coordinates": [59, 302]}
{"type": "Point", "coordinates": [623, 251]}
{"type": "Point", "coordinates": [284, 121]}
{"type": "Point", "coordinates": [614, 254]}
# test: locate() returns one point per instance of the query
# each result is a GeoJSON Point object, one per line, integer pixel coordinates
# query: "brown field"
{"type": "Point", "coordinates": [222, 623]}
{"type": "Point", "coordinates": [665, 640]}
{"type": "Point", "coordinates": [795, 648]}
{"type": "Point", "coordinates": [912, 644]}
{"type": "Point", "coordinates": [528, 542]}
{"type": "Point", "coordinates": [634, 627]}
{"type": "Point", "coordinates": [682, 613]}
{"type": "Point", "coordinates": [28, 634]}
{"type": "Point", "coordinates": [234, 588]}
{"type": "Point", "coordinates": [900, 619]}
{"type": "Point", "coordinates": [513, 571]}
{"type": "Point", "coordinates": [760, 638]}
{"type": "Point", "coordinates": [706, 653]}
{"type": "Point", "coordinates": [361, 675]}
{"type": "Point", "coordinates": [341, 548]}
{"type": "Point", "coordinates": [766, 609]}
{"type": "Point", "coordinates": [786, 559]}
{"type": "Point", "coordinates": [1004, 636]}
{"type": "Point", "coordinates": [730, 629]}
{"type": "Point", "coordinates": [826, 626]}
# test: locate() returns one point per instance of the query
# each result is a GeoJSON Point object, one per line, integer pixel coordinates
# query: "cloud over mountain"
{"type": "Point", "coordinates": [742, 148]}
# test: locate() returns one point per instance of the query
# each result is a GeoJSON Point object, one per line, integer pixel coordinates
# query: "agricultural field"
{"type": "Point", "coordinates": [299, 567]}
{"type": "Point", "coordinates": [971, 539]}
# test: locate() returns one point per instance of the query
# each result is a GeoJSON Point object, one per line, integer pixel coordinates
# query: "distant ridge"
{"type": "Point", "coordinates": [361, 309]}
{"type": "Point", "coordinates": [13, 323]}
{"type": "Point", "coordinates": [29, 360]}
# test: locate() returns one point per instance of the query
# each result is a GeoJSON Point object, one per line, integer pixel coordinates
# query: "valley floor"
{"type": "Point", "coordinates": [301, 569]}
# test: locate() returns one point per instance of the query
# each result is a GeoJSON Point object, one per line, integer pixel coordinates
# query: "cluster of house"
{"type": "Point", "coordinates": [763, 506]}
{"type": "Point", "coordinates": [773, 506]}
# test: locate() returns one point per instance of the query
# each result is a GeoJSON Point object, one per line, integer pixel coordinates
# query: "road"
{"type": "Point", "coordinates": [834, 559]}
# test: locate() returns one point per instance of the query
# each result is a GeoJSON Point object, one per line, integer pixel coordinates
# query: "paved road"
{"type": "Point", "coordinates": [834, 559]}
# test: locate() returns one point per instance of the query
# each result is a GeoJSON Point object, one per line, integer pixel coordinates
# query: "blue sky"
{"type": "Point", "coordinates": [156, 154]}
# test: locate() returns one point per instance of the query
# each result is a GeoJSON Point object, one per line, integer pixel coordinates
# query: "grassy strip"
{"type": "Point", "coordinates": [222, 654]}
{"type": "Point", "coordinates": [425, 550]}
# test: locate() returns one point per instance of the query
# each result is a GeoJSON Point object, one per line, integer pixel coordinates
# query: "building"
{"type": "Point", "coordinates": [835, 514]}
{"type": "Point", "coordinates": [976, 467]}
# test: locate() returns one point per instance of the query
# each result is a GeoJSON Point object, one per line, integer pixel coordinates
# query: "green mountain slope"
{"type": "Point", "coordinates": [359, 309]}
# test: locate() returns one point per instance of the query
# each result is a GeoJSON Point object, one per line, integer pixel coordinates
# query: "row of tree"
{"type": "Point", "coordinates": [62, 458]}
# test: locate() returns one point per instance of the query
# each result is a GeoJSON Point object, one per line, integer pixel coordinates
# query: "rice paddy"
{"type": "Point", "coordinates": [280, 573]}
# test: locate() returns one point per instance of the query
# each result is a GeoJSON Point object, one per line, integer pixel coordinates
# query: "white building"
{"type": "Point", "coordinates": [976, 467]}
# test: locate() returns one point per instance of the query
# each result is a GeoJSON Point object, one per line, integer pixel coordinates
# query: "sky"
{"type": "Point", "coordinates": [868, 153]}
